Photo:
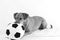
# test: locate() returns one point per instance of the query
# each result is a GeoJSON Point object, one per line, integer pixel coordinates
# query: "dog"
{"type": "Point", "coordinates": [31, 24]}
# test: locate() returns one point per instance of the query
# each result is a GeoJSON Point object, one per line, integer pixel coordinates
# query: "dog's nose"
{"type": "Point", "coordinates": [14, 25]}
{"type": "Point", "coordinates": [7, 32]}
{"type": "Point", "coordinates": [17, 35]}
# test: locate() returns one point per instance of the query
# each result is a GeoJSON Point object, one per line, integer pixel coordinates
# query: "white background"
{"type": "Point", "coordinates": [48, 9]}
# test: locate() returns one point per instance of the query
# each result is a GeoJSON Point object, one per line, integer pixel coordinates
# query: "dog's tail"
{"type": "Point", "coordinates": [49, 26]}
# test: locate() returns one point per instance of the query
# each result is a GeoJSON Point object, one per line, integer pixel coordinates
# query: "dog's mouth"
{"type": "Point", "coordinates": [12, 39]}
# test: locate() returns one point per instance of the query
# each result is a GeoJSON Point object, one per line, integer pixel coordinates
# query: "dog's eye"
{"type": "Point", "coordinates": [20, 18]}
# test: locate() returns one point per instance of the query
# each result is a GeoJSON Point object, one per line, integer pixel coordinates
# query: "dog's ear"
{"type": "Point", "coordinates": [25, 15]}
{"type": "Point", "coordinates": [15, 15]}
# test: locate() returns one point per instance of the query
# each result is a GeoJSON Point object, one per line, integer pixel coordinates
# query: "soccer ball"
{"type": "Point", "coordinates": [15, 31]}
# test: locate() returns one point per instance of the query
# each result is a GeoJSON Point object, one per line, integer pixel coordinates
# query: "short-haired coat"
{"type": "Point", "coordinates": [31, 24]}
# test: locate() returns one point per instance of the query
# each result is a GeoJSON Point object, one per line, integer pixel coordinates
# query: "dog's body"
{"type": "Point", "coordinates": [31, 24]}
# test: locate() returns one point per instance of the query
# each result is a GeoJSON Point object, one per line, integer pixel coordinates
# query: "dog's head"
{"type": "Point", "coordinates": [20, 16]}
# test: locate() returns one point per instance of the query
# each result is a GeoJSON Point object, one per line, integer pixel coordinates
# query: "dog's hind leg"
{"type": "Point", "coordinates": [43, 25]}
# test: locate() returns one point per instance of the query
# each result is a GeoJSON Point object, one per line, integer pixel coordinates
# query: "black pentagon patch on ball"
{"type": "Point", "coordinates": [23, 28]}
{"type": "Point", "coordinates": [14, 25]}
{"type": "Point", "coordinates": [17, 35]}
{"type": "Point", "coordinates": [7, 32]}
